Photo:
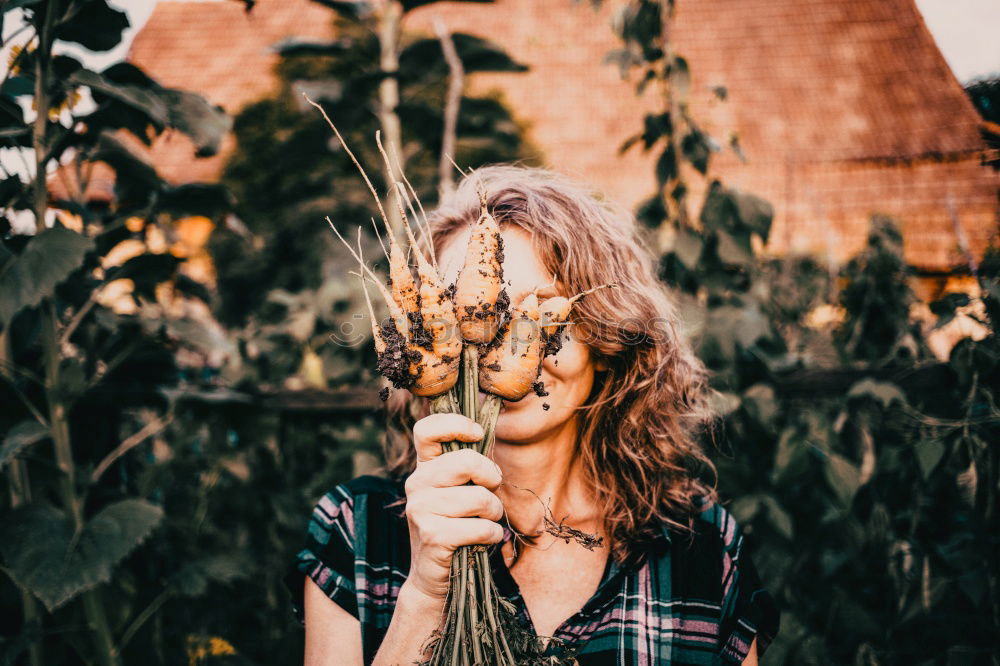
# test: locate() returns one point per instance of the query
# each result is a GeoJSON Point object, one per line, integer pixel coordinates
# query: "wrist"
{"type": "Point", "coordinates": [416, 616]}
{"type": "Point", "coordinates": [414, 597]}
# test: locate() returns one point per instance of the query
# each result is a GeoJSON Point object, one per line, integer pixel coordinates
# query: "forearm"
{"type": "Point", "coordinates": [416, 616]}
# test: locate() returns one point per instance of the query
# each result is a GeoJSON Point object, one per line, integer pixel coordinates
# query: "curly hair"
{"type": "Point", "coordinates": [640, 426]}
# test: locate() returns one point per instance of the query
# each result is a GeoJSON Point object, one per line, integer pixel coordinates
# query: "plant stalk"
{"type": "Point", "coordinates": [58, 409]}
{"type": "Point", "coordinates": [42, 118]}
{"type": "Point", "coordinates": [389, 27]}
{"type": "Point", "coordinates": [470, 381]}
{"type": "Point", "coordinates": [457, 653]}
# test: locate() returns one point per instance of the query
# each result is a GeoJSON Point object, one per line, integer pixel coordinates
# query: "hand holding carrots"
{"type": "Point", "coordinates": [443, 513]}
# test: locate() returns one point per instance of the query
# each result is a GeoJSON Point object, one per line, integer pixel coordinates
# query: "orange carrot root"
{"type": "Point", "coordinates": [480, 300]}
{"type": "Point", "coordinates": [511, 369]}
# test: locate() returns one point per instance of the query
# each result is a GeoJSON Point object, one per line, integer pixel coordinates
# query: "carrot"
{"type": "Point", "coordinates": [480, 300]}
{"type": "Point", "coordinates": [555, 311]}
{"type": "Point", "coordinates": [394, 356]}
{"type": "Point", "coordinates": [433, 331]}
{"type": "Point", "coordinates": [511, 368]}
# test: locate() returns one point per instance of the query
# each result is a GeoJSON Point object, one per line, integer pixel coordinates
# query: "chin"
{"type": "Point", "coordinates": [524, 420]}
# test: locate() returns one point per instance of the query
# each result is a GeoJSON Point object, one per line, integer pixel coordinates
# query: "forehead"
{"type": "Point", "coordinates": [522, 267]}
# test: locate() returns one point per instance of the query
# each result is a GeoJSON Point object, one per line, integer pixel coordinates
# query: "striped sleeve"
{"type": "Point", "coordinates": [748, 609]}
{"type": "Point", "coordinates": [327, 556]}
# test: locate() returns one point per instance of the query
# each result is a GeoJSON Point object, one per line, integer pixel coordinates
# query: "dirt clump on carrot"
{"type": "Point", "coordinates": [394, 363]}
{"type": "Point", "coordinates": [519, 354]}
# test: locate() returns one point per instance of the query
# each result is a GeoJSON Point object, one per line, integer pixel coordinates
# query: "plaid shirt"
{"type": "Point", "coordinates": [686, 602]}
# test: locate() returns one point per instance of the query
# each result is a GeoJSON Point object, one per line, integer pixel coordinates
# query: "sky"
{"type": "Point", "coordinates": [968, 34]}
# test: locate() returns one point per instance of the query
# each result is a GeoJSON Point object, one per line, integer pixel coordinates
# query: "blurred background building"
{"type": "Point", "coordinates": [831, 111]}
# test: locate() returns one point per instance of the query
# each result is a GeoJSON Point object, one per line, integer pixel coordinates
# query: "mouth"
{"type": "Point", "coordinates": [507, 404]}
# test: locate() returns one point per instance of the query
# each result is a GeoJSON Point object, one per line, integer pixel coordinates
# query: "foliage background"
{"type": "Point", "coordinates": [864, 471]}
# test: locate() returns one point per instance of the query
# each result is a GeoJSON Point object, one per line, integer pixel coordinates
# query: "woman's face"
{"type": "Point", "coordinates": [567, 376]}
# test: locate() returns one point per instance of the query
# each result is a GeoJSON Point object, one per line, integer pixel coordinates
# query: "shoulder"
{"type": "Point", "coordinates": [714, 532]}
{"type": "Point", "coordinates": [747, 609]}
{"type": "Point", "coordinates": [366, 497]}
{"type": "Point", "coordinates": [718, 524]}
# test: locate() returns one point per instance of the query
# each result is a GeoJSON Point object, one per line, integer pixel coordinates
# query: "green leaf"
{"type": "Point", "coordinates": [628, 143]}
{"type": "Point", "coordinates": [206, 124]}
{"type": "Point", "coordinates": [680, 79]}
{"type": "Point", "coordinates": [198, 334]}
{"type": "Point", "coordinates": [731, 252]}
{"type": "Point", "coordinates": [134, 174]}
{"type": "Point", "coordinates": [49, 258]}
{"type": "Point", "coordinates": [779, 518]}
{"type": "Point", "coordinates": [843, 476]}
{"type": "Point", "coordinates": [355, 10]}
{"type": "Point", "coordinates": [192, 579]}
{"type": "Point", "coordinates": [146, 271]}
{"type": "Point", "coordinates": [477, 55]}
{"type": "Point", "coordinates": [717, 210]}
{"type": "Point", "coordinates": [139, 98]}
{"type": "Point", "coordinates": [44, 557]}
{"type": "Point", "coordinates": [929, 453]}
{"type": "Point", "coordinates": [655, 126]}
{"type": "Point", "coordinates": [17, 4]}
{"type": "Point", "coordinates": [413, 4]}
{"type": "Point", "coordinates": [884, 392]}
{"type": "Point", "coordinates": [945, 307]}
{"type": "Point", "coordinates": [788, 445]}
{"type": "Point", "coordinates": [666, 166]}
{"type": "Point", "coordinates": [21, 436]}
{"type": "Point", "coordinates": [209, 199]}
{"type": "Point", "coordinates": [743, 509]}
{"type": "Point", "coordinates": [94, 25]}
{"type": "Point", "coordinates": [696, 150]}
{"type": "Point", "coordinates": [752, 325]}
{"type": "Point", "coordinates": [10, 190]}
{"type": "Point", "coordinates": [724, 403]}
{"type": "Point", "coordinates": [16, 86]}
{"type": "Point", "coordinates": [296, 46]}
{"type": "Point", "coordinates": [754, 212]}
{"type": "Point", "coordinates": [624, 58]}
{"type": "Point", "coordinates": [760, 401]}
{"type": "Point", "coordinates": [688, 245]}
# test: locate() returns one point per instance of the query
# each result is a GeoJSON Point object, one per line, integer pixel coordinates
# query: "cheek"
{"type": "Point", "coordinates": [572, 363]}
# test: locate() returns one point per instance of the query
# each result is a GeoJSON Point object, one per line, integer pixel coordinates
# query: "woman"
{"type": "Point", "coordinates": [609, 448]}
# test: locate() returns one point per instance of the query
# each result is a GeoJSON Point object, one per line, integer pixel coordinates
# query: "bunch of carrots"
{"type": "Point", "coordinates": [445, 344]}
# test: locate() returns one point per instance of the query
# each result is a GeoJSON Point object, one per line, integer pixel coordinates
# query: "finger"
{"type": "Point", "coordinates": [456, 532]}
{"type": "Point", "coordinates": [458, 467]}
{"type": "Point", "coordinates": [463, 502]}
{"type": "Point", "coordinates": [430, 431]}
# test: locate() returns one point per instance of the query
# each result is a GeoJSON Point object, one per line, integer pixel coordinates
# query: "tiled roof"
{"type": "Point", "coordinates": [823, 80]}
{"type": "Point", "coordinates": [842, 107]}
